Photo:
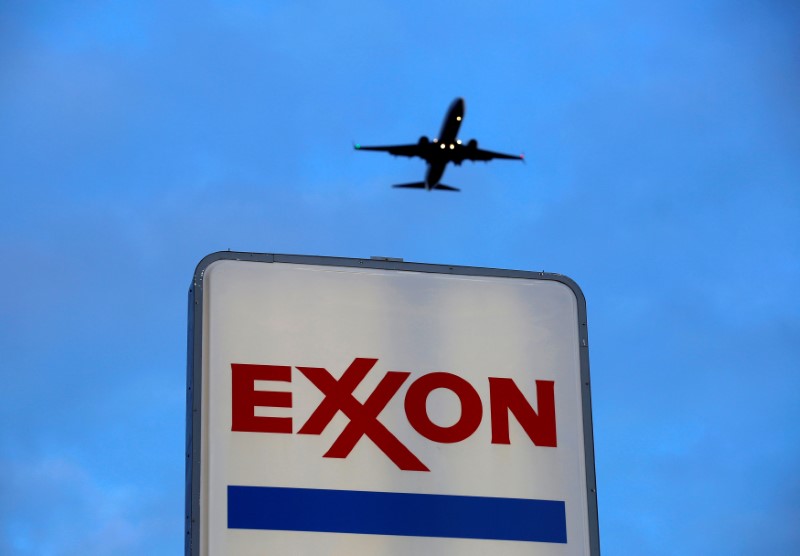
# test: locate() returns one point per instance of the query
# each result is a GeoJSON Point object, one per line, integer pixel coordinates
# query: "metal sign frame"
{"type": "Point", "coordinates": [195, 354]}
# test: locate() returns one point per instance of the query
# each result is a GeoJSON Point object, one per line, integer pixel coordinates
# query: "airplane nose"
{"type": "Point", "coordinates": [457, 108]}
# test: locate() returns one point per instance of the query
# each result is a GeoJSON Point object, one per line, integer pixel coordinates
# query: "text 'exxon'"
{"type": "Point", "coordinates": [505, 399]}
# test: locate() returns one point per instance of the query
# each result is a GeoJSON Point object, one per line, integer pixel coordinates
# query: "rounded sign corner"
{"type": "Point", "coordinates": [206, 262]}
{"type": "Point", "coordinates": [572, 285]}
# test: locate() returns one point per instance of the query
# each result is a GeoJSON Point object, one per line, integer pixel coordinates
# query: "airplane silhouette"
{"type": "Point", "coordinates": [443, 149]}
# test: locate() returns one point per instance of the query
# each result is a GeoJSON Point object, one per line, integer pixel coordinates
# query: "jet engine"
{"type": "Point", "coordinates": [424, 140]}
{"type": "Point", "coordinates": [473, 144]}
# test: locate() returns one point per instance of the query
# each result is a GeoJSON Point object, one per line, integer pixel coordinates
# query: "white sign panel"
{"type": "Point", "coordinates": [343, 406]}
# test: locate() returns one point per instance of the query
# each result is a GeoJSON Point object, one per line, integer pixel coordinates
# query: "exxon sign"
{"type": "Point", "coordinates": [349, 406]}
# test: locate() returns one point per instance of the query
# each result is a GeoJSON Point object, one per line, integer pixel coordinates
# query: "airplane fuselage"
{"type": "Point", "coordinates": [446, 140]}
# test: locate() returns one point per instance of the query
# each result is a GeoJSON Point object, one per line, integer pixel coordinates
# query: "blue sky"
{"type": "Point", "coordinates": [663, 175]}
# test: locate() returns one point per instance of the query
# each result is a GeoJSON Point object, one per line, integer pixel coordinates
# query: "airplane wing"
{"type": "Point", "coordinates": [484, 155]}
{"type": "Point", "coordinates": [397, 150]}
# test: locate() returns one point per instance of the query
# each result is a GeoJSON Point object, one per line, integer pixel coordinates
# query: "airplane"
{"type": "Point", "coordinates": [443, 149]}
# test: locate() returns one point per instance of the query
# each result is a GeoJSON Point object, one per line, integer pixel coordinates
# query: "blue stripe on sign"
{"type": "Point", "coordinates": [392, 513]}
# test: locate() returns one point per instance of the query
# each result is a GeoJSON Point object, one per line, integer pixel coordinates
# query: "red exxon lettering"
{"type": "Point", "coordinates": [363, 417]}
{"type": "Point", "coordinates": [245, 398]}
{"type": "Point", "coordinates": [417, 407]}
{"type": "Point", "coordinates": [505, 399]}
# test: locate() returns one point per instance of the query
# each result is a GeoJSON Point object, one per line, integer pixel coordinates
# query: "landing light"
{"type": "Point", "coordinates": [452, 146]}
{"type": "Point", "coordinates": [458, 118]}
{"type": "Point", "coordinates": [442, 145]}
{"type": "Point", "coordinates": [458, 141]}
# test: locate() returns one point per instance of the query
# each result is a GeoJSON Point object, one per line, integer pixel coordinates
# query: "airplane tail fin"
{"type": "Point", "coordinates": [414, 185]}
{"type": "Point", "coordinates": [421, 185]}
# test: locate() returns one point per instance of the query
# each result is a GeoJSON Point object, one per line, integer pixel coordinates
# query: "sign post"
{"type": "Point", "coordinates": [357, 406]}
